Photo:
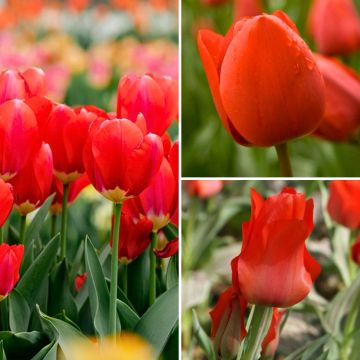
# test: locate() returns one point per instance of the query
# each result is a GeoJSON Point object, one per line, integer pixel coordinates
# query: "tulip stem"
{"type": "Point", "coordinates": [22, 229]}
{"type": "Point", "coordinates": [124, 275]}
{"type": "Point", "coordinates": [64, 221]}
{"type": "Point", "coordinates": [259, 327]}
{"type": "Point", "coordinates": [152, 279]}
{"type": "Point", "coordinates": [114, 270]}
{"type": "Point", "coordinates": [284, 160]}
{"type": "Point", "coordinates": [53, 225]}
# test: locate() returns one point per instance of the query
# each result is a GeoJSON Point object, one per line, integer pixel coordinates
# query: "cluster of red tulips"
{"type": "Point", "coordinates": [48, 148]}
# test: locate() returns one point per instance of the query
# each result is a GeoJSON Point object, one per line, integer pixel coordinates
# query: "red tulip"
{"type": "Point", "coordinates": [19, 137]}
{"type": "Point", "coordinates": [66, 132]}
{"type": "Point", "coordinates": [6, 201]}
{"type": "Point", "coordinates": [170, 249]}
{"type": "Point", "coordinates": [245, 8]}
{"type": "Point", "coordinates": [355, 251]}
{"type": "Point", "coordinates": [204, 188]}
{"type": "Point", "coordinates": [10, 261]}
{"type": "Point", "coordinates": [344, 202]}
{"type": "Point", "coordinates": [153, 96]}
{"type": "Point", "coordinates": [264, 80]}
{"type": "Point", "coordinates": [119, 160]}
{"type": "Point", "coordinates": [274, 267]}
{"type": "Point", "coordinates": [228, 327]}
{"type": "Point", "coordinates": [341, 120]}
{"type": "Point", "coordinates": [75, 187]}
{"type": "Point", "coordinates": [134, 237]}
{"type": "Point", "coordinates": [271, 340]}
{"type": "Point", "coordinates": [79, 281]}
{"type": "Point", "coordinates": [32, 184]}
{"type": "Point", "coordinates": [335, 26]}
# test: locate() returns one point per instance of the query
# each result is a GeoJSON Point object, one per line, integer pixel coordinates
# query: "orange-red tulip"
{"type": "Point", "coordinates": [274, 267]}
{"type": "Point", "coordinates": [245, 8]}
{"type": "Point", "coordinates": [32, 184]}
{"type": "Point", "coordinates": [10, 261]}
{"type": "Point", "coordinates": [204, 188]}
{"type": "Point", "coordinates": [120, 160]}
{"type": "Point", "coordinates": [344, 202]}
{"type": "Point", "coordinates": [341, 119]}
{"type": "Point", "coordinates": [264, 80]}
{"type": "Point", "coordinates": [335, 26]}
{"type": "Point", "coordinates": [6, 201]}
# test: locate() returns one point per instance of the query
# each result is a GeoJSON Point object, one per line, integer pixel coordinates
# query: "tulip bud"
{"type": "Point", "coordinates": [10, 261]}
{"type": "Point", "coordinates": [343, 204]}
{"type": "Point", "coordinates": [79, 281]}
{"type": "Point", "coordinates": [204, 188]}
{"type": "Point", "coordinates": [271, 340]}
{"type": "Point", "coordinates": [153, 96]}
{"type": "Point", "coordinates": [6, 201]}
{"type": "Point", "coordinates": [264, 80]}
{"type": "Point", "coordinates": [335, 26]}
{"type": "Point", "coordinates": [355, 251]}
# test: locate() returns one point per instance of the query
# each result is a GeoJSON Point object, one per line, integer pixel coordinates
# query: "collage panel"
{"type": "Point", "coordinates": [270, 88]}
{"type": "Point", "coordinates": [270, 269]}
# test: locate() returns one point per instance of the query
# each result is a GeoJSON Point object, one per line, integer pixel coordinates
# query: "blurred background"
{"type": "Point", "coordinates": [207, 148]}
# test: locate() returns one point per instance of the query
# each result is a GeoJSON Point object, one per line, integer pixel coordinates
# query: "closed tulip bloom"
{"type": "Point", "coordinates": [335, 26]}
{"type": "Point", "coordinates": [274, 267]}
{"type": "Point", "coordinates": [204, 188]}
{"type": "Point", "coordinates": [245, 8]}
{"type": "Point", "coordinates": [79, 281]}
{"type": "Point", "coordinates": [264, 80]}
{"type": "Point", "coordinates": [6, 201]}
{"type": "Point", "coordinates": [32, 184]}
{"type": "Point", "coordinates": [120, 160]}
{"type": "Point", "coordinates": [134, 237]}
{"type": "Point", "coordinates": [154, 96]}
{"type": "Point", "coordinates": [66, 132]}
{"type": "Point", "coordinates": [341, 120]}
{"type": "Point", "coordinates": [271, 340]}
{"type": "Point", "coordinates": [19, 137]}
{"type": "Point", "coordinates": [10, 261]}
{"type": "Point", "coordinates": [343, 204]}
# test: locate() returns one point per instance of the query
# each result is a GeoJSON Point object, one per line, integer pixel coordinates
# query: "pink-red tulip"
{"type": "Point", "coordinates": [341, 120]}
{"type": "Point", "coordinates": [264, 80]}
{"type": "Point", "coordinates": [335, 26]}
{"type": "Point", "coordinates": [6, 201]}
{"type": "Point", "coordinates": [204, 188]}
{"type": "Point", "coordinates": [120, 160]}
{"type": "Point", "coordinates": [344, 202]}
{"type": "Point", "coordinates": [153, 96]}
{"type": "Point", "coordinates": [274, 267]}
{"type": "Point", "coordinates": [10, 261]}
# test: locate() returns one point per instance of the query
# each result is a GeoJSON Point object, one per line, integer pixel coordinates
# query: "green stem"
{"type": "Point", "coordinates": [284, 160]}
{"type": "Point", "coordinates": [124, 275]}
{"type": "Point", "coordinates": [64, 221]}
{"type": "Point", "coordinates": [152, 278]}
{"type": "Point", "coordinates": [259, 327]}
{"type": "Point", "coordinates": [22, 229]}
{"type": "Point", "coordinates": [114, 270]}
{"type": "Point", "coordinates": [53, 225]}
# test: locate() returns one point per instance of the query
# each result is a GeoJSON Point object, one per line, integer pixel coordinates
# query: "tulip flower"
{"type": "Point", "coordinates": [204, 188]}
{"type": "Point", "coordinates": [245, 8]}
{"type": "Point", "coordinates": [264, 81]}
{"type": "Point", "coordinates": [32, 184]}
{"type": "Point", "coordinates": [355, 251]}
{"type": "Point", "coordinates": [119, 160]}
{"type": "Point", "coordinates": [79, 281]}
{"type": "Point", "coordinates": [154, 96]}
{"type": "Point", "coordinates": [341, 120]}
{"type": "Point", "coordinates": [271, 340]}
{"type": "Point", "coordinates": [335, 26]}
{"type": "Point", "coordinates": [10, 261]}
{"type": "Point", "coordinates": [6, 201]}
{"type": "Point", "coordinates": [18, 126]}
{"type": "Point", "coordinates": [274, 267]}
{"type": "Point", "coordinates": [343, 204]}
{"type": "Point", "coordinates": [170, 249]}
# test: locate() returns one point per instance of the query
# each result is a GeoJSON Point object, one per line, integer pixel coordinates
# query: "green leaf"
{"type": "Point", "coordinates": [49, 352]}
{"type": "Point", "coordinates": [309, 349]}
{"type": "Point", "coordinates": [19, 312]}
{"type": "Point", "coordinates": [171, 231]}
{"type": "Point", "coordinates": [202, 338]}
{"type": "Point", "coordinates": [159, 320]}
{"type": "Point", "coordinates": [341, 245]}
{"type": "Point", "coordinates": [2, 352]}
{"type": "Point", "coordinates": [98, 291]}
{"type": "Point", "coordinates": [172, 277]}
{"type": "Point", "coordinates": [128, 317]}
{"type": "Point", "coordinates": [37, 274]}
{"type": "Point", "coordinates": [64, 333]}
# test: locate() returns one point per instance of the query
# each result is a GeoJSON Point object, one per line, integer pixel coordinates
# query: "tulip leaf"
{"type": "Point", "coordinates": [98, 291]}
{"type": "Point", "coordinates": [2, 352]}
{"type": "Point", "coordinates": [159, 320]}
{"type": "Point", "coordinates": [19, 312]}
{"type": "Point", "coordinates": [28, 257]}
{"type": "Point", "coordinates": [64, 333]}
{"type": "Point", "coordinates": [171, 231]}
{"type": "Point", "coordinates": [172, 277]}
{"type": "Point", "coordinates": [202, 338]}
{"type": "Point", "coordinates": [36, 275]}
{"type": "Point", "coordinates": [49, 352]}
{"type": "Point", "coordinates": [128, 317]}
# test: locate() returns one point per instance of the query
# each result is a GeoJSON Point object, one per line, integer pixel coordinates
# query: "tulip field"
{"type": "Point", "coordinates": [243, 90]}
{"type": "Point", "coordinates": [278, 264]}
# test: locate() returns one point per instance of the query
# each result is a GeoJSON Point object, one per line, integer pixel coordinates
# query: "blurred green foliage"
{"type": "Point", "coordinates": [207, 148]}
